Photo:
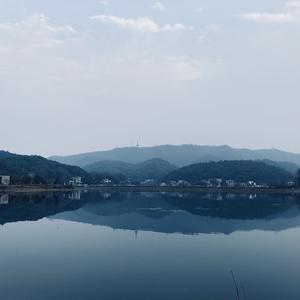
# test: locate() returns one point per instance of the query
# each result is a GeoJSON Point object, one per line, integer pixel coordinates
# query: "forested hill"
{"type": "Point", "coordinates": [239, 171]}
{"type": "Point", "coordinates": [5, 154]}
{"type": "Point", "coordinates": [36, 169]}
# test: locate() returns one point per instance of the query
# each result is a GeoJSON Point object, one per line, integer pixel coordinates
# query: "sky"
{"type": "Point", "coordinates": [85, 75]}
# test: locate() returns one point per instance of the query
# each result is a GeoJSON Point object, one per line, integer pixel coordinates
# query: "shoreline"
{"type": "Point", "coordinates": [150, 189]}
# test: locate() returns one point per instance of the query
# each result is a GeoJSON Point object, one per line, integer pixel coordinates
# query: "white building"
{"type": "Point", "coordinates": [106, 181]}
{"type": "Point", "coordinates": [230, 183]}
{"type": "Point", "coordinates": [4, 180]}
{"type": "Point", "coordinates": [215, 182]}
{"type": "Point", "coordinates": [148, 182]}
{"type": "Point", "coordinates": [75, 181]}
{"type": "Point", "coordinates": [183, 183]}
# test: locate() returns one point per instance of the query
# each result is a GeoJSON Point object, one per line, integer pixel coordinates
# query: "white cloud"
{"type": "Point", "coordinates": [290, 13]}
{"type": "Point", "coordinates": [36, 31]}
{"type": "Point", "coordinates": [138, 24]}
{"type": "Point", "coordinates": [293, 4]}
{"type": "Point", "coordinates": [37, 55]}
{"type": "Point", "coordinates": [158, 6]}
{"type": "Point", "coordinates": [268, 17]}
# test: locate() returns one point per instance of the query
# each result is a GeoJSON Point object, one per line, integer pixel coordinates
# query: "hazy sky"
{"type": "Point", "coordinates": [83, 75]}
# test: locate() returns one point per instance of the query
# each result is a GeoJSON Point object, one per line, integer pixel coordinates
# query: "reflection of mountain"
{"type": "Point", "coordinates": [190, 214]}
{"type": "Point", "coordinates": [168, 213]}
{"type": "Point", "coordinates": [34, 207]}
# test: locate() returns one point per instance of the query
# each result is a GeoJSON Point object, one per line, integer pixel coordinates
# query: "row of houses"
{"type": "Point", "coordinates": [213, 183]}
{"type": "Point", "coordinates": [210, 183]}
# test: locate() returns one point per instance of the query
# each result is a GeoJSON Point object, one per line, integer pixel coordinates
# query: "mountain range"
{"type": "Point", "coordinates": [181, 155]}
{"type": "Point", "coordinates": [158, 163]}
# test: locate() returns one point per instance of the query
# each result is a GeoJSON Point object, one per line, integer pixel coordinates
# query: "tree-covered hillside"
{"type": "Point", "coordinates": [25, 169]}
{"type": "Point", "coordinates": [239, 171]}
{"type": "Point", "coordinates": [298, 178]}
{"type": "Point", "coordinates": [5, 154]}
{"type": "Point", "coordinates": [288, 166]}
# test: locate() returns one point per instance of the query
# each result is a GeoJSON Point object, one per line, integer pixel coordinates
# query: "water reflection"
{"type": "Point", "coordinates": [69, 248]}
{"type": "Point", "coordinates": [158, 212]}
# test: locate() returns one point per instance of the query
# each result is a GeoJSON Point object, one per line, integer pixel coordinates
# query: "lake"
{"type": "Point", "coordinates": [92, 245]}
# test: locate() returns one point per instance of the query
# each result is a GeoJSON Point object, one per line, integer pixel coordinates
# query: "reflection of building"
{"type": "Point", "coordinates": [4, 180]}
{"type": "Point", "coordinates": [4, 200]}
{"type": "Point", "coordinates": [75, 181]}
{"type": "Point", "coordinates": [106, 195]}
{"type": "Point", "coordinates": [219, 197]}
{"type": "Point", "coordinates": [76, 195]}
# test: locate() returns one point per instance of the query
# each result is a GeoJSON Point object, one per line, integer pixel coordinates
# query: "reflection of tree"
{"type": "Point", "coordinates": [27, 207]}
{"type": "Point", "coordinates": [31, 207]}
{"type": "Point", "coordinates": [228, 206]}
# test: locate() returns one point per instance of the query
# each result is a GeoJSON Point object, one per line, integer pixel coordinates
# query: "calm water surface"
{"type": "Point", "coordinates": [149, 246]}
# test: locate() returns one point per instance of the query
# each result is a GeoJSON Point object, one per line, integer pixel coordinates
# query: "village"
{"type": "Point", "coordinates": [78, 181]}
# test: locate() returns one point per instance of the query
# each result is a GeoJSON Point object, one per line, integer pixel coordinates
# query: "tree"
{"type": "Point", "coordinates": [298, 178]}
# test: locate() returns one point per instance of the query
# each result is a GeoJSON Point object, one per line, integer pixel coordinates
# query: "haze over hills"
{"type": "Point", "coordinates": [149, 169]}
{"type": "Point", "coordinates": [181, 155]}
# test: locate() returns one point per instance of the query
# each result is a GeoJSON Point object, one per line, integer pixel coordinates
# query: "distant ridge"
{"type": "Point", "coordinates": [181, 155]}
